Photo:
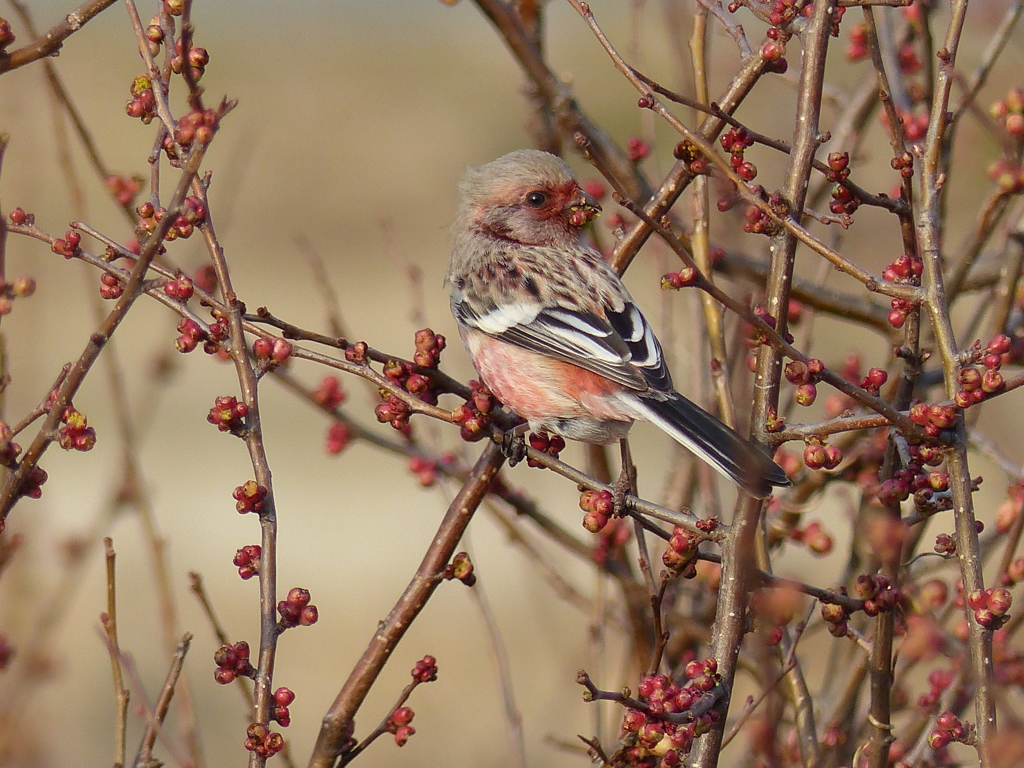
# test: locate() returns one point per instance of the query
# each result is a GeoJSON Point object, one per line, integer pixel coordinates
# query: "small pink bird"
{"type": "Point", "coordinates": [552, 330]}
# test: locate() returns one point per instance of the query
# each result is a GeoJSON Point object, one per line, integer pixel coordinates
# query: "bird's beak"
{"type": "Point", "coordinates": [582, 208]}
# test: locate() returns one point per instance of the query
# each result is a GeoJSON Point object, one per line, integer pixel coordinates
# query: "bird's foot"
{"type": "Point", "coordinates": [513, 444]}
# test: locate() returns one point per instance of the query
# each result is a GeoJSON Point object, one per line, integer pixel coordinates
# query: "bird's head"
{"type": "Point", "coordinates": [527, 196]}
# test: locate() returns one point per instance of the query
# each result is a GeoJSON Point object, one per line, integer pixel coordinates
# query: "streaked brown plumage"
{"type": "Point", "coordinates": [553, 331]}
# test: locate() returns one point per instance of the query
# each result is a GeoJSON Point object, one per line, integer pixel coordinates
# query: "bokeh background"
{"type": "Point", "coordinates": [354, 122]}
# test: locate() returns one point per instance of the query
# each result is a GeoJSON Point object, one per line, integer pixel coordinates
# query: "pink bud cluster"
{"type": "Point", "coordinates": [195, 127]}
{"type": "Point", "coordinates": [945, 544]}
{"type": "Point", "coordinates": [356, 353]}
{"type": "Point", "coordinates": [814, 537]}
{"type": "Point", "coordinates": [915, 479]}
{"type": "Point", "coordinates": [736, 141]}
{"type": "Point", "coordinates": [915, 125]}
{"type": "Point", "coordinates": [179, 289]}
{"type": "Point", "coordinates": [673, 281]}
{"type": "Point", "coordinates": [819, 455]}
{"type": "Point", "coordinates": [67, 246]}
{"type": "Point", "coordinates": [909, 61]}
{"type": "Point", "coordinates": [1009, 511]}
{"type": "Point", "coordinates": [948, 729]}
{"type": "Point", "coordinates": [197, 59]}
{"type": "Point", "coordinates": [124, 189]}
{"type": "Point", "coordinates": [32, 487]}
{"type": "Point", "coordinates": [804, 376]}
{"type": "Point", "coordinates": [757, 221]}
{"type": "Point", "coordinates": [877, 592]}
{"type": "Point", "coordinates": [339, 436]}
{"type": "Point", "coordinates": [232, 661]}
{"type": "Point", "coordinates": [773, 50]}
{"type": "Point", "coordinates": [1010, 111]}
{"type": "Point", "coordinates": [904, 164]}
{"type": "Point", "coordinates": [270, 352]}
{"type": "Point", "coordinates": [596, 188]}
{"type": "Point", "coordinates": [155, 36]}
{"type": "Point", "coordinates": [425, 470]}
{"type": "Point", "coordinates": [429, 346]}
{"type": "Point", "coordinates": [403, 374]}
{"type": "Point", "coordinates": [598, 506]}
{"type": "Point", "coordinates": [283, 697]}
{"type": "Point", "coordinates": [75, 432]}
{"type": "Point", "coordinates": [690, 154]}
{"type": "Point", "coordinates": [1014, 573]}
{"type": "Point", "coordinates": [296, 610]}
{"type": "Point", "coordinates": [143, 102]}
{"type": "Point", "coordinates": [461, 568]}
{"type": "Point", "coordinates": [858, 49]}
{"type": "Point", "coordinates": [934, 418]}
{"type": "Point", "coordinates": [938, 681]}
{"type": "Point", "coordinates": [111, 287]}
{"type": "Point", "coordinates": [843, 199]}
{"type": "Point", "coordinates": [687, 276]}
{"type": "Point", "coordinates": [836, 617]}
{"type": "Point", "coordinates": [329, 394]}
{"type": "Point", "coordinates": [249, 497]}
{"type": "Point", "coordinates": [661, 742]}
{"type": "Point", "coordinates": [247, 560]}
{"type": "Point", "coordinates": [228, 414]}
{"type": "Point", "coordinates": [975, 385]}
{"type": "Point", "coordinates": [191, 215]}
{"type": "Point", "coordinates": [637, 149]}
{"type": "Point", "coordinates": [1008, 174]}
{"type": "Point", "coordinates": [21, 287]}
{"type": "Point", "coordinates": [772, 609]}
{"type": "Point", "coordinates": [611, 541]}
{"type": "Point", "coordinates": [907, 270]}
{"type": "Point", "coordinates": [6, 35]}
{"type": "Point", "coordinates": [425, 670]}
{"type": "Point", "coordinates": [680, 557]}
{"type": "Point", "coordinates": [393, 411]}
{"type": "Point", "coordinates": [192, 333]}
{"type": "Point", "coordinates": [261, 740]}
{"type": "Point", "coordinates": [990, 606]}
{"type": "Point", "coordinates": [552, 445]}
{"type": "Point", "coordinates": [399, 724]}
{"type": "Point", "coordinates": [474, 415]}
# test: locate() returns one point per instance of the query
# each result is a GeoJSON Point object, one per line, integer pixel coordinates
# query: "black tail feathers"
{"type": "Point", "coordinates": [746, 464]}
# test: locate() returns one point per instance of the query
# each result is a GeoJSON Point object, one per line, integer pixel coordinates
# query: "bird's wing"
{"type": "Point", "coordinates": [620, 346]}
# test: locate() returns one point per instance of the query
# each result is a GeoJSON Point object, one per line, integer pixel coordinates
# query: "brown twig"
{"type": "Point", "coordinates": [50, 43]}
{"type": "Point", "coordinates": [929, 238]}
{"type": "Point", "coordinates": [253, 436]}
{"type": "Point", "coordinates": [121, 694]}
{"type": "Point", "coordinates": [133, 288]}
{"type": "Point", "coordinates": [338, 721]}
{"type": "Point", "coordinates": [143, 758]}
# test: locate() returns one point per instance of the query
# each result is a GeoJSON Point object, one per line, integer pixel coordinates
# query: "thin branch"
{"type": "Point", "coordinates": [121, 693]}
{"type": "Point", "coordinates": [936, 302]}
{"type": "Point", "coordinates": [50, 43]}
{"type": "Point", "coordinates": [143, 758]}
{"type": "Point", "coordinates": [338, 721]}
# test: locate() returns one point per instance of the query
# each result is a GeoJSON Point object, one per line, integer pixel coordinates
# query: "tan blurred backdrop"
{"type": "Point", "coordinates": [355, 121]}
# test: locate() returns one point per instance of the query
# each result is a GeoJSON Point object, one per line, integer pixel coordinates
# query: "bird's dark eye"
{"type": "Point", "coordinates": [536, 199]}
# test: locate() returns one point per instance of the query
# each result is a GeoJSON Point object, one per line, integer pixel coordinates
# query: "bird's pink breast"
{"type": "Point", "coordinates": [538, 387]}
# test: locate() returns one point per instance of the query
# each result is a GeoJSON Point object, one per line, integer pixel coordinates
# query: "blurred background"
{"type": "Point", "coordinates": [354, 123]}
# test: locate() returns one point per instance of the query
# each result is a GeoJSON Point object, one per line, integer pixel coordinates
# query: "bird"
{"type": "Point", "coordinates": [552, 330]}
